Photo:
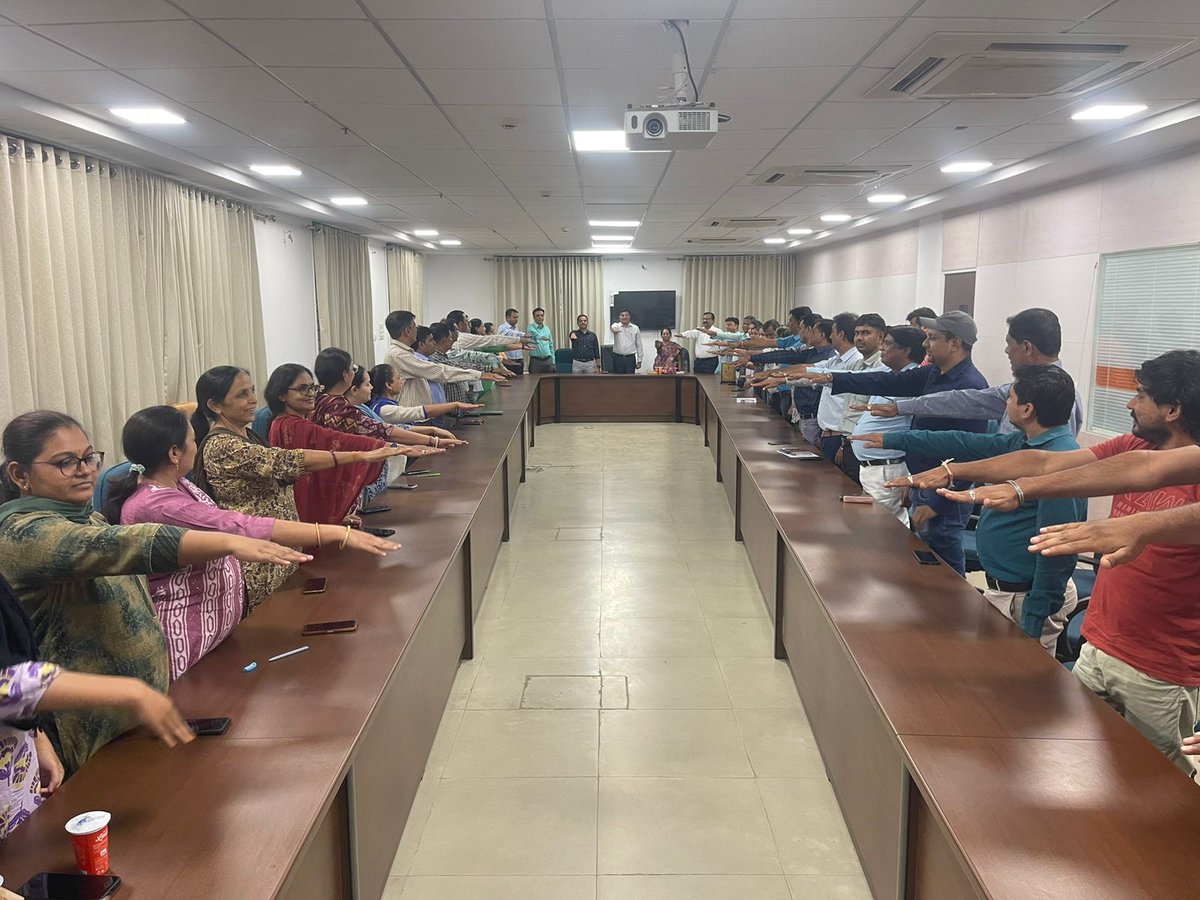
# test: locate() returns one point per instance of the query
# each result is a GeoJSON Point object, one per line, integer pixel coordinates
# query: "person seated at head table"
{"type": "Point", "coordinates": [336, 372]}
{"type": "Point", "coordinates": [81, 580]}
{"type": "Point", "coordinates": [386, 385]}
{"type": "Point", "coordinates": [240, 471]}
{"type": "Point", "coordinates": [200, 606]}
{"type": "Point", "coordinates": [31, 689]}
{"type": "Point", "coordinates": [670, 354]}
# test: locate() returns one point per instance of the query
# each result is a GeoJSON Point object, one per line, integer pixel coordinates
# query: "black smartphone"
{"type": "Point", "coordinates": [371, 510]}
{"type": "Point", "coordinates": [403, 487]}
{"type": "Point", "coordinates": [209, 727]}
{"type": "Point", "coordinates": [315, 586]}
{"type": "Point", "coordinates": [64, 886]}
{"type": "Point", "coordinates": [339, 627]}
{"type": "Point", "coordinates": [378, 532]}
{"type": "Point", "coordinates": [469, 422]}
{"type": "Point", "coordinates": [778, 443]}
{"type": "Point", "coordinates": [927, 558]}
{"type": "Point", "coordinates": [489, 412]}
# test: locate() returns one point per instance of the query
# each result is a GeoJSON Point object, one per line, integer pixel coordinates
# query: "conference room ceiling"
{"type": "Point", "coordinates": [405, 102]}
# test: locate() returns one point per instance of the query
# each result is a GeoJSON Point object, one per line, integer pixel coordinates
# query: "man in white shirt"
{"type": "Point", "coordinates": [705, 362]}
{"type": "Point", "coordinates": [514, 359]}
{"type": "Point", "coordinates": [418, 372]}
{"type": "Point", "coordinates": [461, 322]}
{"type": "Point", "coordinates": [833, 406]}
{"type": "Point", "coordinates": [627, 345]}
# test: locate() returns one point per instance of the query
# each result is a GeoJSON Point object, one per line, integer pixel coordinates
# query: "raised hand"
{"type": "Point", "coordinates": [992, 496]}
{"type": "Point", "coordinates": [883, 410]}
{"type": "Point", "coordinates": [368, 543]}
{"type": "Point", "coordinates": [1118, 540]}
{"type": "Point", "coordinates": [252, 550]}
{"type": "Point", "coordinates": [873, 441]}
{"type": "Point", "coordinates": [928, 480]}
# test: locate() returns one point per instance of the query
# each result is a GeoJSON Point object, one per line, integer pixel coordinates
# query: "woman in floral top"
{"type": "Point", "coordinates": [81, 581]}
{"type": "Point", "coordinates": [670, 354]}
{"type": "Point", "coordinates": [236, 468]}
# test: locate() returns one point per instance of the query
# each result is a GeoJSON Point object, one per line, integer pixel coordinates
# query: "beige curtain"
{"type": "Point", "coordinates": [343, 271]}
{"type": "Point", "coordinates": [762, 286]}
{"type": "Point", "coordinates": [406, 280]}
{"type": "Point", "coordinates": [564, 286]}
{"type": "Point", "coordinates": [118, 288]}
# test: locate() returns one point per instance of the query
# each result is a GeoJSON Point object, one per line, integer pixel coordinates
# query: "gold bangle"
{"type": "Point", "coordinates": [342, 545]}
{"type": "Point", "coordinates": [317, 528]}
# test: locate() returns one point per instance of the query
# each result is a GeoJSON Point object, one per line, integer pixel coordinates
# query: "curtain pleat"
{"type": "Point", "coordinates": [343, 271]}
{"type": "Point", "coordinates": [406, 280]}
{"type": "Point", "coordinates": [118, 288]}
{"type": "Point", "coordinates": [565, 286]}
{"type": "Point", "coordinates": [762, 286]}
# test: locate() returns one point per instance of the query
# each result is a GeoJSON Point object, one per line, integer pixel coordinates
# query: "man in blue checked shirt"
{"type": "Point", "coordinates": [1034, 591]}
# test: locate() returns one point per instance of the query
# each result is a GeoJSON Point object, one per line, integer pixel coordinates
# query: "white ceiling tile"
{"type": "Point", "coordinates": [617, 194]}
{"type": "Point", "coordinates": [456, 9]}
{"type": "Point", "coordinates": [598, 118]}
{"type": "Point", "coordinates": [1178, 81]}
{"type": "Point", "coordinates": [354, 85]}
{"type": "Point", "coordinates": [607, 44]}
{"type": "Point", "coordinates": [765, 115]}
{"type": "Point", "coordinates": [489, 206]}
{"type": "Point", "coordinates": [746, 139]}
{"type": "Point", "coordinates": [613, 88]}
{"type": "Point", "coordinates": [751, 43]}
{"type": "Point", "coordinates": [528, 118]}
{"type": "Point", "coordinates": [799, 156]}
{"type": "Point", "coordinates": [272, 9]}
{"type": "Point", "coordinates": [501, 139]}
{"type": "Point", "coordinates": [933, 143]}
{"type": "Point", "coordinates": [510, 87]}
{"type": "Point", "coordinates": [397, 135]}
{"type": "Point", "coordinates": [612, 179]}
{"type": "Point", "coordinates": [472, 43]}
{"type": "Point", "coordinates": [727, 86]}
{"type": "Point", "coordinates": [857, 83]}
{"type": "Point", "coordinates": [417, 118]}
{"type": "Point", "coordinates": [994, 150]}
{"type": "Point", "coordinates": [199, 130]}
{"type": "Point", "coordinates": [291, 124]}
{"type": "Point", "coordinates": [912, 32]}
{"type": "Point", "coordinates": [364, 166]}
{"type": "Point", "coordinates": [1011, 9]}
{"type": "Point", "coordinates": [1141, 11]}
{"type": "Point", "coordinates": [144, 45]}
{"type": "Point", "coordinates": [98, 87]}
{"type": "Point", "coordinates": [639, 9]}
{"type": "Point", "coordinates": [873, 114]}
{"type": "Point", "coordinates": [857, 140]}
{"type": "Point", "coordinates": [674, 212]}
{"type": "Point", "coordinates": [821, 9]}
{"type": "Point", "coordinates": [567, 208]}
{"type": "Point", "coordinates": [624, 164]}
{"type": "Point", "coordinates": [990, 112]}
{"type": "Point", "coordinates": [23, 51]}
{"type": "Point", "coordinates": [525, 176]}
{"type": "Point", "coordinates": [308, 42]}
{"type": "Point", "coordinates": [1059, 132]}
{"type": "Point", "coordinates": [230, 84]}
{"type": "Point", "coordinates": [47, 12]}
{"type": "Point", "coordinates": [725, 160]}
{"type": "Point", "coordinates": [532, 159]}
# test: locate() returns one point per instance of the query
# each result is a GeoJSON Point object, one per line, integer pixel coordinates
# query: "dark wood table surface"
{"type": "Point", "coordinates": [229, 816]}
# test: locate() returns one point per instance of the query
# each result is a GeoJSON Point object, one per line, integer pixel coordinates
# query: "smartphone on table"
{"type": "Point", "coordinates": [65, 886]}
{"type": "Point", "coordinates": [314, 586]}
{"type": "Point", "coordinates": [927, 558]}
{"type": "Point", "coordinates": [209, 727]}
{"type": "Point", "coordinates": [339, 627]}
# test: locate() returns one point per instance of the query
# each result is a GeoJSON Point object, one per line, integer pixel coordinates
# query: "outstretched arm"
{"type": "Point", "coordinates": [1120, 540]}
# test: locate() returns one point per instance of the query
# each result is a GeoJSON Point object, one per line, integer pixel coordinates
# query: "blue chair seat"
{"type": "Point", "coordinates": [262, 424]}
{"type": "Point", "coordinates": [103, 483]}
{"type": "Point", "coordinates": [1085, 581]}
{"type": "Point", "coordinates": [563, 358]}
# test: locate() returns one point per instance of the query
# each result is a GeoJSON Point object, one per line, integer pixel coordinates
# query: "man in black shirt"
{"type": "Point", "coordinates": [585, 349]}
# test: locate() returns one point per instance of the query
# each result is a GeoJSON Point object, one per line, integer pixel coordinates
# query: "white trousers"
{"type": "Point", "coordinates": [1011, 605]}
{"type": "Point", "coordinates": [872, 478]}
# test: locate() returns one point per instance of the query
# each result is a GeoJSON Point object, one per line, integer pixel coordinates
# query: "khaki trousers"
{"type": "Point", "coordinates": [872, 478]}
{"type": "Point", "coordinates": [1012, 606]}
{"type": "Point", "coordinates": [1165, 713]}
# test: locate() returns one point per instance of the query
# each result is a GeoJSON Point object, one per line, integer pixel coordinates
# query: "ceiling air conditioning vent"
{"type": "Point", "coordinates": [747, 222]}
{"type": "Point", "coordinates": [808, 176]}
{"type": "Point", "coordinates": [983, 66]}
{"type": "Point", "coordinates": [716, 240]}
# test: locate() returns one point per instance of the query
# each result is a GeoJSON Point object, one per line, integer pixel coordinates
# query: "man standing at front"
{"type": "Point", "coordinates": [514, 359]}
{"type": "Point", "coordinates": [627, 345]}
{"type": "Point", "coordinates": [706, 354]}
{"type": "Point", "coordinates": [585, 349]}
{"type": "Point", "coordinates": [541, 357]}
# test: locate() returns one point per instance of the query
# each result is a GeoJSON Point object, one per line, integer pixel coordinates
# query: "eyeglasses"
{"type": "Point", "coordinates": [308, 389]}
{"type": "Point", "coordinates": [69, 465]}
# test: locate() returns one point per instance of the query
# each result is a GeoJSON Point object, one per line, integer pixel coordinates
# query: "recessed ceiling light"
{"type": "Point", "coordinates": [966, 165]}
{"type": "Point", "coordinates": [450, 242]}
{"type": "Point", "coordinates": [348, 201]}
{"type": "Point", "coordinates": [614, 223]}
{"type": "Point", "coordinates": [1109, 111]}
{"type": "Point", "coordinates": [612, 237]}
{"type": "Point", "coordinates": [886, 198]}
{"type": "Point", "coordinates": [425, 232]}
{"type": "Point", "coordinates": [774, 240]}
{"type": "Point", "coordinates": [836, 217]}
{"type": "Point", "coordinates": [277, 171]}
{"type": "Point", "coordinates": [609, 248]}
{"type": "Point", "coordinates": [800, 231]}
{"type": "Point", "coordinates": [599, 141]}
{"type": "Point", "coordinates": [147, 115]}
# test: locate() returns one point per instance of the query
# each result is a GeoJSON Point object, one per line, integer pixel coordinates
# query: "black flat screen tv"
{"type": "Point", "coordinates": [651, 310]}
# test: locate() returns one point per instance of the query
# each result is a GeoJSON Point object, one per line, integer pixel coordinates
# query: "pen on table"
{"type": "Point", "coordinates": [289, 653]}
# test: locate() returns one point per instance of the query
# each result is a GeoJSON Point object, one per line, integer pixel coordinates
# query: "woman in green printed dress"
{"type": "Point", "coordinates": [82, 581]}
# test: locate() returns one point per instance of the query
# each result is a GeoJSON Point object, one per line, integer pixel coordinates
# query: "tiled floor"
{"type": "Point", "coordinates": [624, 733]}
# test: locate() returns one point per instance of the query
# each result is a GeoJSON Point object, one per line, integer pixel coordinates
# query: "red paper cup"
{"type": "Point", "coordinates": [89, 834]}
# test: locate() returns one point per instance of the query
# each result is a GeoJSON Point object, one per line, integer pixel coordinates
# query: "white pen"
{"type": "Point", "coordinates": [289, 653]}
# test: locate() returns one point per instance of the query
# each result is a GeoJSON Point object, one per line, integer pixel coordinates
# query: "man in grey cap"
{"type": "Point", "coordinates": [949, 342]}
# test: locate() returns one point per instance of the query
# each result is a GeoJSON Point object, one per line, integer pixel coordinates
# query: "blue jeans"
{"type": "Point", "coordinates": [944, 532]}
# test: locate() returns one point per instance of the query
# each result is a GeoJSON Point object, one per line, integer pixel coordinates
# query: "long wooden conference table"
{"type": "Point", "coordinates": [966, 761]}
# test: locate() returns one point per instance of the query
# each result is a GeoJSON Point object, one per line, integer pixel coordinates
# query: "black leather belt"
{"type": "Point", "coordinates": [881, 462]}
{"type": "Point", "coordinates": [1009, 587]}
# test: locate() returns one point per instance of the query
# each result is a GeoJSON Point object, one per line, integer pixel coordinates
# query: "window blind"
{"type": "Point", "coordinates": [1149, 303]}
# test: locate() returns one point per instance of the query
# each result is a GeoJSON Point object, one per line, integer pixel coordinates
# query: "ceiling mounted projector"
{"type": "Point", "coordinates": [670, 127]}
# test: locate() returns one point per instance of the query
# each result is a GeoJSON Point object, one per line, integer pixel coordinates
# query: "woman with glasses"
{"type": "Point", "coordinates": [386, 385]}
{"type": "Point", "coordinates": [82, 581]}
{"type": "Point", "coordinates": [331, 495]}
{"type": "Point", "coordinates": [200, 606]}
{"type": "Point", "coordinates": [241, 472]}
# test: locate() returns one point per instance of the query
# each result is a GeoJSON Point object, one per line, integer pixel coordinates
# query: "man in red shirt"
{"type": "Point", "coordinates": [1142, 628]}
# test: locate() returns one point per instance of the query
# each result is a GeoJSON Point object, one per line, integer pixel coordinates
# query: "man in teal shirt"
{"type": "Point", "coordinates": [1034, 591]}
{"type": "Point", "coordinates": [541, 357]}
